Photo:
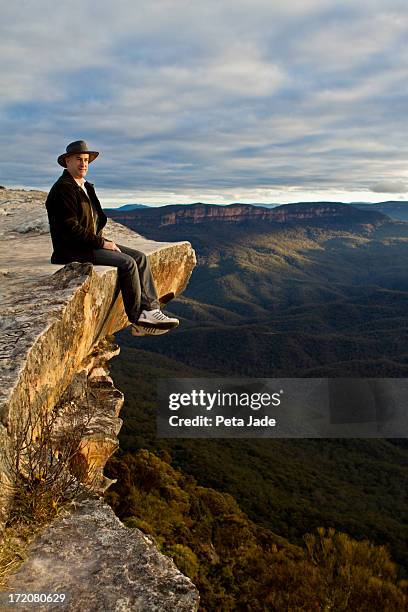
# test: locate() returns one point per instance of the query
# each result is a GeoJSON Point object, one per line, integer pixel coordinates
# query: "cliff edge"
{"type": "Point", "coordinates": [57, 324]}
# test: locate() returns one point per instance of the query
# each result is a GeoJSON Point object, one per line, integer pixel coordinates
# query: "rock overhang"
{"type": "Point", "coordinates": [53, 315]}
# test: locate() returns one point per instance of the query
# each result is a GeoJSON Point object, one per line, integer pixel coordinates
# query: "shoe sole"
{"type": "Point", "coordinates": [158, 325]}
{"type": "Point", "coordinates": [146, 331]}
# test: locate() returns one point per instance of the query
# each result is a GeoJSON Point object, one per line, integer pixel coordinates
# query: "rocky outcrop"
{"type": "Point", "coordinates": [88, 555]}
{"type": "Point", "coordinates": [57, 324]}
{"type": "Point", "coordinates": [240, 213]}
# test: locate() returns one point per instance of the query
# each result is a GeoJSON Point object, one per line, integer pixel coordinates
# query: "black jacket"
{"type": "Point", "coordinates": [72, 228]}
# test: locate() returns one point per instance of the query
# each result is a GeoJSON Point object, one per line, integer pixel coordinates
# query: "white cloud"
{"type": "Point", "coordinates": [349, 42]}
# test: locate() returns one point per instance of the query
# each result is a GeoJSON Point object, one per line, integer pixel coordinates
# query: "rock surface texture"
{"type": "Point", "coordinates": [99, 564]}
{"type": "Point", "coordinates": [57, 324]}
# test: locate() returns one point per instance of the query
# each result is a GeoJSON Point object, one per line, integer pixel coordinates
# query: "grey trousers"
{"type": "Point", "coordinates": [135, 279]}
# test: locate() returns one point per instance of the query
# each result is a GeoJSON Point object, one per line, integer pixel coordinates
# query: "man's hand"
{"type": "Point", "coordinates": [110, 245]}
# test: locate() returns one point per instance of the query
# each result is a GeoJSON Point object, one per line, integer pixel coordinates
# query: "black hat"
{"type": "Point", "coordinates": [79, 146]}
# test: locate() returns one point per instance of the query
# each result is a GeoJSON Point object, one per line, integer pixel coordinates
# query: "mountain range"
{"type": "Point", "coordinates": [301, 290]}
{"type": "Point", "coordinates": [158, 217]}
{"type": "Point", "coordinates": [305, 290]}
{"type": "Point", "coordinates": [397, 209]}
{"type": "Point", "coordinates": [127, 207]}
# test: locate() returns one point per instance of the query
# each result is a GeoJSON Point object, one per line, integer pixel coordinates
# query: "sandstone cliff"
{"type": "Point", "coordinates": [57, 324]}
{"type": "Point", "coordinates": [243, 213]}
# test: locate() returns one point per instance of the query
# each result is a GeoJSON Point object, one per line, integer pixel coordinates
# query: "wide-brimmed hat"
{"type": "Point", "coordinates": [79, 146]}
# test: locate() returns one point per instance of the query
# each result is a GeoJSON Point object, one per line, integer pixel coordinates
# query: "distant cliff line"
{"type": "Point", "coordinates": [238, 213]}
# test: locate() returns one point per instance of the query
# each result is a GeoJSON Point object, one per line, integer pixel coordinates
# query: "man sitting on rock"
{"type": "Point", "coordinates": [76, 221]}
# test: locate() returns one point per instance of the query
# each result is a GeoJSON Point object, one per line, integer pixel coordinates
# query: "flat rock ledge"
{"type": "Point", "coordinates": [99, 564]}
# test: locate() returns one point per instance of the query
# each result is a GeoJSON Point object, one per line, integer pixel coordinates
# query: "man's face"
{"type": "Point", "coordinates": [77, 164]}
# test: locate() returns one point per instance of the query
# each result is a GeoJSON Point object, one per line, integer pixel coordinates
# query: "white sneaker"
{"type": "Point", "coordinates": [139, 331]}
{"type": "Point", "coordinates": [156, 318]}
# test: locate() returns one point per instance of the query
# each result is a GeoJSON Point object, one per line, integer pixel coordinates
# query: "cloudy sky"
{"type": "Point", "coordinates": [217, 101]}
